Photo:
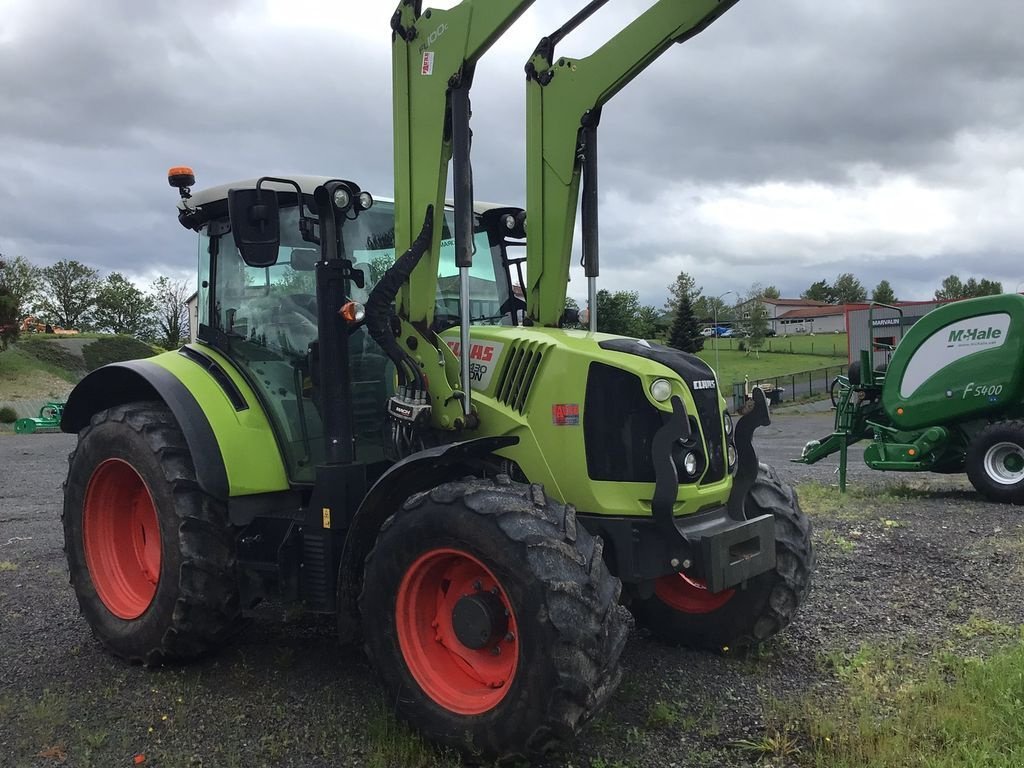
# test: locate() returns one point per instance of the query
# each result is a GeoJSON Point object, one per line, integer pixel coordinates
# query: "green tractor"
{"type": "Point", "coordinates": [948, 399]}
{"type": "Point", "coordinates": [418, 445]}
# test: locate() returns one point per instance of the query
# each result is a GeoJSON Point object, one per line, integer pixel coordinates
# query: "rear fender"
{"type": "Point", "coordinates": [231, 442]}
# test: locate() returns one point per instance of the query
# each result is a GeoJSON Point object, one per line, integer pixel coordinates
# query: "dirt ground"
{"type": "Point", "coordinates": [910, 565]}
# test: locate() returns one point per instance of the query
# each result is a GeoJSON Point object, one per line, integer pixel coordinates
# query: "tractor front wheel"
{"type": "Point", "coordinates": [995, 462]}
{"type": "Point", "coordinates": [491, 618]}
{"type": "Point", "coordinates": [682, 611]}
{"type": "Point", "coordinates": [151, 557]}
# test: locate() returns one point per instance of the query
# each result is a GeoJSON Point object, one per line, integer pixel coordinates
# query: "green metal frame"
{"type": "Point", "coordinates": [48, 419]}
{"type": "Point", "coordinates": [435, 52]}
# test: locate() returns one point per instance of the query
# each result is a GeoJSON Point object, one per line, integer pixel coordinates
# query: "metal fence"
{"type": "Point", "coordinates": [789, 387]}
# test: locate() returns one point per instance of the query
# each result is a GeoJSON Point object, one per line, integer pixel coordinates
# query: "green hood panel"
{"type": "Point", "coordinates": [531, 382]}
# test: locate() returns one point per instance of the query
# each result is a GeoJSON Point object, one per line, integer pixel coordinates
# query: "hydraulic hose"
{"type": "Point", "coordinates": [378, 305]}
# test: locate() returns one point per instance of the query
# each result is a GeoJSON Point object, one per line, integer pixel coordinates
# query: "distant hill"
{"type": "Point", "coordinates": [41, 368]}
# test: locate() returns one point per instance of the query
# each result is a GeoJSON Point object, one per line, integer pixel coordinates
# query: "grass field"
{"type": "Point", "coordinates": [734, 365]}
{"type": "Point", "coordinates": [826, 344]}
{"type": "Point", "coordinates": [25, 376]}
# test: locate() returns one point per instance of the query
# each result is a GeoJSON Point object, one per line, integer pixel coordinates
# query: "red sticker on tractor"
{"type": "Point", "coordinates": [565, 414]}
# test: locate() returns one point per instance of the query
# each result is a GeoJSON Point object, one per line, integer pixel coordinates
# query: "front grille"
{"type": "Point", "coordinates": [691, 369]}
{"type": "Point", "coordinates": [520, 370]}
{"type": "Point", "coordinates": [619, 423]}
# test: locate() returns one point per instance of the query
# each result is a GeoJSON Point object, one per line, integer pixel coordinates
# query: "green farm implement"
{"type": "Point", "coordinates": [949, 399]}
{"type": "Point", "coordinates": [48, 420]}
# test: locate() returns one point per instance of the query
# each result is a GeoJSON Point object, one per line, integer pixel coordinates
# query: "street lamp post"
{"type": "Point", "coordinates": [717, 302]}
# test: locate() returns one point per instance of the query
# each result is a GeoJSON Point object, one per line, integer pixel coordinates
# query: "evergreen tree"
{"type": "Point", "coordinates": [883, 293]}
{"type": "Point", "coordinates": [684, 334]}
{"type": "Point", "coordinates": [847, 289]}
{"type": "Point", "coordinates": [819, 291]}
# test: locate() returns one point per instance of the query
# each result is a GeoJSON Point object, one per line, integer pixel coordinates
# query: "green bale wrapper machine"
{"type": "Point", "coordinates": [950, 399]}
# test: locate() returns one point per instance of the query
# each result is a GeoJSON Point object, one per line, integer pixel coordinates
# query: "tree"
{"type": "Point", "coordinates": [684, 285]}
{"type": "Point", "coordinates": [646, 323]}
{"type": "Point", "coordinates": [820, 291]}
{"type": "Point", "coordinates": [9, 316]}
{"type": "Point", "coordinates": [953, 289]}
{"type": "Point", "coordinates": [22, 281]}
{"type": "Point", "coordinates": [883, 293]}
{"type": "Point", "coordinates": [616, 312]}
{"type": "Point", "coordinates": [171, 310]}
{"type": "Point", "coordinates": [770, 292]}
{"type": "Point", "coordinates": [709, 308]}
{"type": "Point", "coordinates": [122, 308]}
{"type": "Point", "coordinates": [69, 292]}
{"type": "Point", "coordinates": [622, 313]}
{"type": "Point", "coordinates": [984, 287]}
{"type": "Point", "coordinates": [847, 289]}
{"type": "Point", "coordinates": [757, 322]}
{"type": "Point", "coordinates": [684, 334]}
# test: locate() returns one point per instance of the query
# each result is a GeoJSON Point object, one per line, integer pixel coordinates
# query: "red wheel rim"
{"type": "Point", "coordinates": [121, 536]}
{"type": "Point", "coordinates": [689, 595]}
{"type": "Point", "coordinates": [458, 678]}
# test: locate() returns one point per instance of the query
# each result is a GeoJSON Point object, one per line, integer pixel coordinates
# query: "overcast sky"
{"type": "Point", "coordinates": [791, 141]}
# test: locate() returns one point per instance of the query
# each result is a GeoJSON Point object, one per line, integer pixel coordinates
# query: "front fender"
{"type": "Point", "coordinates": [418, 472]}
{"type": "Point", "coordinates": [231, 442]}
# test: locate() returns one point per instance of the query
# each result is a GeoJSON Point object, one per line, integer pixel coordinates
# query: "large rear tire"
{"type": "Point", "coordinates": [151, 557]}
{"type": "Point", "coordinates": [995, 462]}
{"type": "Point", "coordinates": [683, 612]}
{"type": "Point", "coordinates": [491, 618]}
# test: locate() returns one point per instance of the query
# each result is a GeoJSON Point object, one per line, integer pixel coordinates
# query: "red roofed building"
{"type": "Point", "coordinates": [787, 316]}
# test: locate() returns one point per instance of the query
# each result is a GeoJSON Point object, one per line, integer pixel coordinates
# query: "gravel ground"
{"type": "Point", "coordinates": [911, 565]}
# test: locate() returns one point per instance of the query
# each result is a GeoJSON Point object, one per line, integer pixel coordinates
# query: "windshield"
{"type": "Point", "coordinates": [369, 242]}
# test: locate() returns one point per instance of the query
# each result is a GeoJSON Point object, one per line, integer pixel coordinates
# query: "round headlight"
{"type": "Point", "coordinates": [365, 201]}
{"type": "Point", "coordinates": [342, 198]}
{"type": "Point", "coordinates": [732, 455]}
{"type": "Point", "coordinates": [661, 390]}
{"type": "Point", "coordinates": [728, 423]}
{"type": "Point", "coordinates": [690, 463]}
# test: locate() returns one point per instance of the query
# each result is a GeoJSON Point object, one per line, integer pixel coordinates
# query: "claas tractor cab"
{"type": "Point", "coordinates": [387, 417]}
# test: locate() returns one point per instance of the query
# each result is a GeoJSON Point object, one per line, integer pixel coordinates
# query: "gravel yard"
{"type": "Point", "coordinates": [903, 561]}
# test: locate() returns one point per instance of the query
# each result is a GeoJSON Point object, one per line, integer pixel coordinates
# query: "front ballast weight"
{"type": "Point", "coordinates": [721, 547]}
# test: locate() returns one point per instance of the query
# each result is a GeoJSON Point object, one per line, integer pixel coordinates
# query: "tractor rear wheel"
{"type": "Point", "coordinates": [995, 462]}
{"type": "Point", "coordinates": [151, 556]}
{"type": "Point", "coordinates": [683, 612]}
{"type": "Point", "coordinates": [491, 618]}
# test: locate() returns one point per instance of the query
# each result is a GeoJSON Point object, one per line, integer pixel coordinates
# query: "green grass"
{"type": "Point", "coordinates": [114, 349]}
{"type": "Point", "coordinates": [826, 344]}
{"type": "Point", "coordinates": [733, 365]}
{"type": "Point", "coordinates": [947, 713]}
{"type": "Point", "coordinates": [24, 376]}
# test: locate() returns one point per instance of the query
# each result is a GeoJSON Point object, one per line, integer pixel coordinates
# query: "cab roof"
{"type": "Point", "coordinates": [307, 184]}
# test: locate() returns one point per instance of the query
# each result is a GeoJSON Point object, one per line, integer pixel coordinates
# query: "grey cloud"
{"type": "Point", "coordinates": [100, 98]}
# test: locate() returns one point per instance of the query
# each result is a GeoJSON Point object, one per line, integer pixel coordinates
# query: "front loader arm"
{"type": "Point", "coordinates": [433, 55]}
{"type": "Point", "coordinates": [564, 97]}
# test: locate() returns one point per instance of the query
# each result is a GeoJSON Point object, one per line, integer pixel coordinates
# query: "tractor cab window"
{"type": "Point", "coordinates": [370, 242]}
{"type": "Point", "coordinates": [267, 317]}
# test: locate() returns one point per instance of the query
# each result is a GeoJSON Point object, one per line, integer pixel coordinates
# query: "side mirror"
{"type": "Point", "coordinates": [255, 225]}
